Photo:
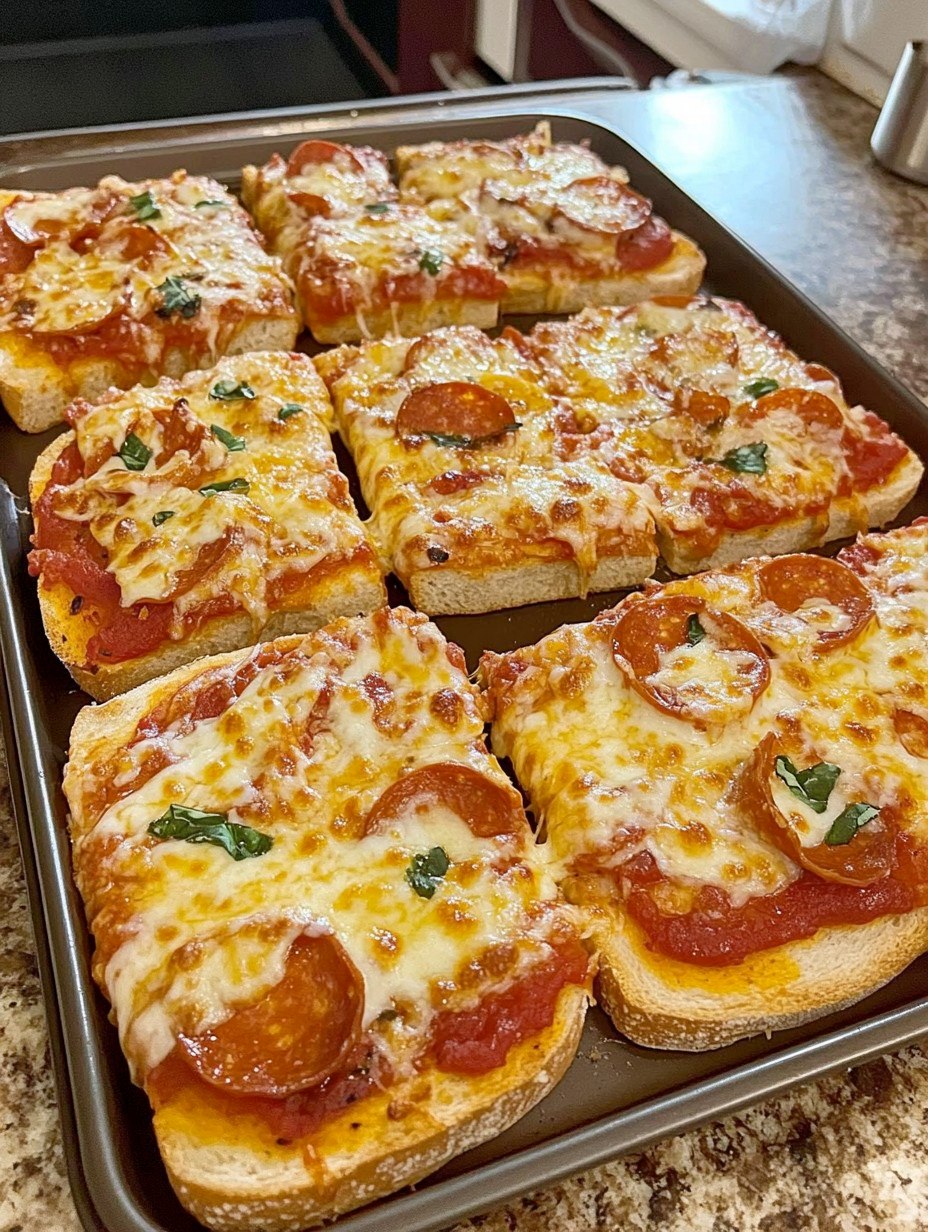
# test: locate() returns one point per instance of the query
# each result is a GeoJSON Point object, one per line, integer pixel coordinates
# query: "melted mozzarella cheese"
{"type": "Point", "coordinates": [286, 523]}
{"type": "Point", "coordinates": [516, 491]}
{"type": "Point", "coordinates": [611, 775]}
{"type": "Point", "coordinates": [209, 933]}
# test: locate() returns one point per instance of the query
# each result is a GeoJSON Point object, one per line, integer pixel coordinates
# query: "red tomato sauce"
{"type": "Point", "coordinates": [714, 933]}
{"type": "Point", "coordinates": [478, 1040]}
{"type": "Point", "coordinates": [871, 459]}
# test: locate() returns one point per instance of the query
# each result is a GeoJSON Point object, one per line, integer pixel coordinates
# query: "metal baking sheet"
{"type": "Point", "coordinates": [616, 1097]}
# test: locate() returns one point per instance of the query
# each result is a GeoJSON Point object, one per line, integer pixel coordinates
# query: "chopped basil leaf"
{"type": "Point", "coordinates": [177, 297]}
{"type": "Point", "coordinates": [747, 459]}
{"type": "Point", "coordinates": [812, 786]}
{"type": "Point", "coordinates": [377, 207]}
{"type": "Point", "coordinates": [694, 630]}
{"type": "Point", "coordinates": [425, 872]}
{"type": "Point", "coordinates": [201, 205]}
{"type": "Point", "coordinates": [291, 408]}
{"type": "Point", "coordinates": [451, 440]}
{"type": "Point", "coordinates": [144, 206]}
{"type": "Point", "coordinates": [226, 485]}
{"type": "Point", "coordinates": [846, 824]}
{"type": "Point", "coordinates": [234, 444]}
{"type": "Point", "coordinates": [193, 826]}
{"type": "Point", "coordinates": [161, 516]}
{"type": "Point", "coordinates": [229, 391]}
{"type": "Point", "coordinates": [431, 260]}
{"type": "Point", "coordinates": [134, 453]}
{"type": "Point", "coordinates": [763, 385]}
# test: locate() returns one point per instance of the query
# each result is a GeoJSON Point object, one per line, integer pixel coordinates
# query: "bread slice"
{"type": "Point", "coordinates": [407, 320]}
{"type": "Point", "coordinates": [846, 516]}
{"type": "Point", "coordinates": [236, 1177]}
{"type": "Point", "coordinates": [69, 327]}
{"type": "Point", "coordinates": [231, 1164]}
{"type": "Point", "coordinates": [662, 1003]}
{"type": "Point", "coordinates": [546, 290]}
{"type": "Point", "coordinates": [345, 585]}
{"type": "Point", "coordinates": [452, 591]}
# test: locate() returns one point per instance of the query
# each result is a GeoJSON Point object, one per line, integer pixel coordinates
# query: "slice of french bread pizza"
{"type": "Point", "coordinates": [193, 516]}
{"type": "Point", "coordinates": [732, 772]}
{"type": "Point", "coordinates": [334, 954]}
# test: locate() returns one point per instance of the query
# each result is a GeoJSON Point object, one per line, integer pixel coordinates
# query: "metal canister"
{"type": "Point", "coordinates": [900, 138]}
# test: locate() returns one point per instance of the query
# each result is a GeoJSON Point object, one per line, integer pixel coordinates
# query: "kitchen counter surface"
{"type": "Point", "coordinates": [785, 163]}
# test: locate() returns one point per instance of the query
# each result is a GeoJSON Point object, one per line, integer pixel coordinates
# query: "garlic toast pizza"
{"type": "Point", "coordinates": [746, 447]}
{"type": "Point", "coordinates": [567, 231]}
{"type": "Point", "coordinates": [128, 282]}
{"type": "Point", "coordinates": [363, 264]}
{"type": "Point", "coordinates": [476, 227]}
{"type": "Point", "coordinates": [731, 773]}
{"type": "Point", "coordinates": [188, 517]}
{"type": "Point", "coordinates": [334, 956]}
{"type": "Point", "coordinates": [456, 445]}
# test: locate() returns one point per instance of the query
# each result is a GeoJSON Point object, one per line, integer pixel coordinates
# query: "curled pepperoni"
{"type": "Point", "coordinates": [807, 404]}
{"type": "Point", "coordinates": [15, 256]}
{"type": "Point", "coordinates": [313, 152]}
{"type": "Point", "coordinates": [818, 372]}
{"type": "Point", "coordinates": [705, 408]}
{"type": "Point", "coordinates": [299, 1033]}
{"type": "Point", "coordinates": [912, 731]}
{"type": "Point", "coordinates": [310, 203]}
{"type": "Point", "coordinates": [867, 858]}
{"type": "Point", "coordinates": [645, 247]}
{"type": "Point", "coordinates": [600, 203]}
{"type": "Point", "coordinates": [790, 582]}
{"type": "Point", "coordinates": [649, 629]}
{"type": "Point", "coordinates": [486, 806]}
{"type": "Point", "coordinates": [457, 408]}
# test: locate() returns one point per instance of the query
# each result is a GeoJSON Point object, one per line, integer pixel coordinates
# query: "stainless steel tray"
{"type": "Point", "coordinates": [616, 1097]}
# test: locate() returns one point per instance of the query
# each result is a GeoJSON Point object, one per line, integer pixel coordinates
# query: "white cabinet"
{"type": "Point", "coordinates": [865, 41]}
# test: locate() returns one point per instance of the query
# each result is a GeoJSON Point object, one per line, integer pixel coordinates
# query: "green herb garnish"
{"type": "Point", "coordinates": [452, 440]}
{"type": "Point", "coordinates": [226, 485]}
{"type": "Point", "coordinates": [812, 786]}
{"type": "Point", "coordinates": [377, 207]}
{"type": "Point", "coordinates": [161, 516]}
{"type": "Point", "coordinates": [431, 260]}
{"type": "Point", "coordinates": [291, 408]}
{"type": "Point", "coordinates": [747, 459]}
{"type": "Point", "coordinates": [201, 205]}
{"type": "Point", "coordinates": [230, 391]}
{"type": "Point", "coordinates": [763, 385]}
{"type": "Point", "coordinates": [846, 824]}
{"type": "Point", "coordinates": [193, 826]}
{"type": "Point", "coordinates": [134, 453]}
{"type": "Point", "coordinates": [425, 872]}
{"type": "Point", "coordinates": [177, 297]}
{"type": "Point", "coordinates": [144, 206]}
{"type": "Point", "coordinates": [694, 630]}
{"type": "Point", "coordinates": [234, 444]}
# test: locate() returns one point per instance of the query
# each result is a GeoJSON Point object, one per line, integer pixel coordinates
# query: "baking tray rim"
{"type": "Point", "coordinates": [88, 1152]}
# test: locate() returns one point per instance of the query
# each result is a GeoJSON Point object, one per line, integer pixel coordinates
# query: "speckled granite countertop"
{"type": "Point", "coordinates": [846, 1154]}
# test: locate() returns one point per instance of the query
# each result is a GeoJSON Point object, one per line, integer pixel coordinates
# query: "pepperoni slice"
{"type": "Point", "coordinates": [487, 807]}
{"type": "Point", "coordinates": [600, 203]}
{"type": "Point", "coordinates": [808, 404]}
{"type": "Point", "coordinates": [645, 247]}
{"type": "Point", "coordinates": [867, 858]}
{"type": "Point", "coordinates": [912, 731]}
{"type": "Point", "coordinates": [693, 353]}
{"type": "Point", "coordinates": [310, 203]}
{"type": "Point", "coordinates": [705, 408]}
{"type": "Point", "coordinates": [314, 152]}
{"type": "Point", "coordinates": [15, 256]}
{"type": "Point", "coordinates": [792, 582]}
{"type": "Point", "coordinates": [296, 1036]}
{"type": "Point", "coordinates": [457, 408]}
{"type": "Point", "coordinates": [650, 629]}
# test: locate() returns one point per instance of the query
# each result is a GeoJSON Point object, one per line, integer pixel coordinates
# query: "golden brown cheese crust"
{"type": "Point", "coordinates": [128, 282]}
{"type": "Point", "coordinates": [643, 763]}
{"type": "Point", "coordinates": [237, 520]}
{"type": "Point", "coordinates": [185, 934]}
